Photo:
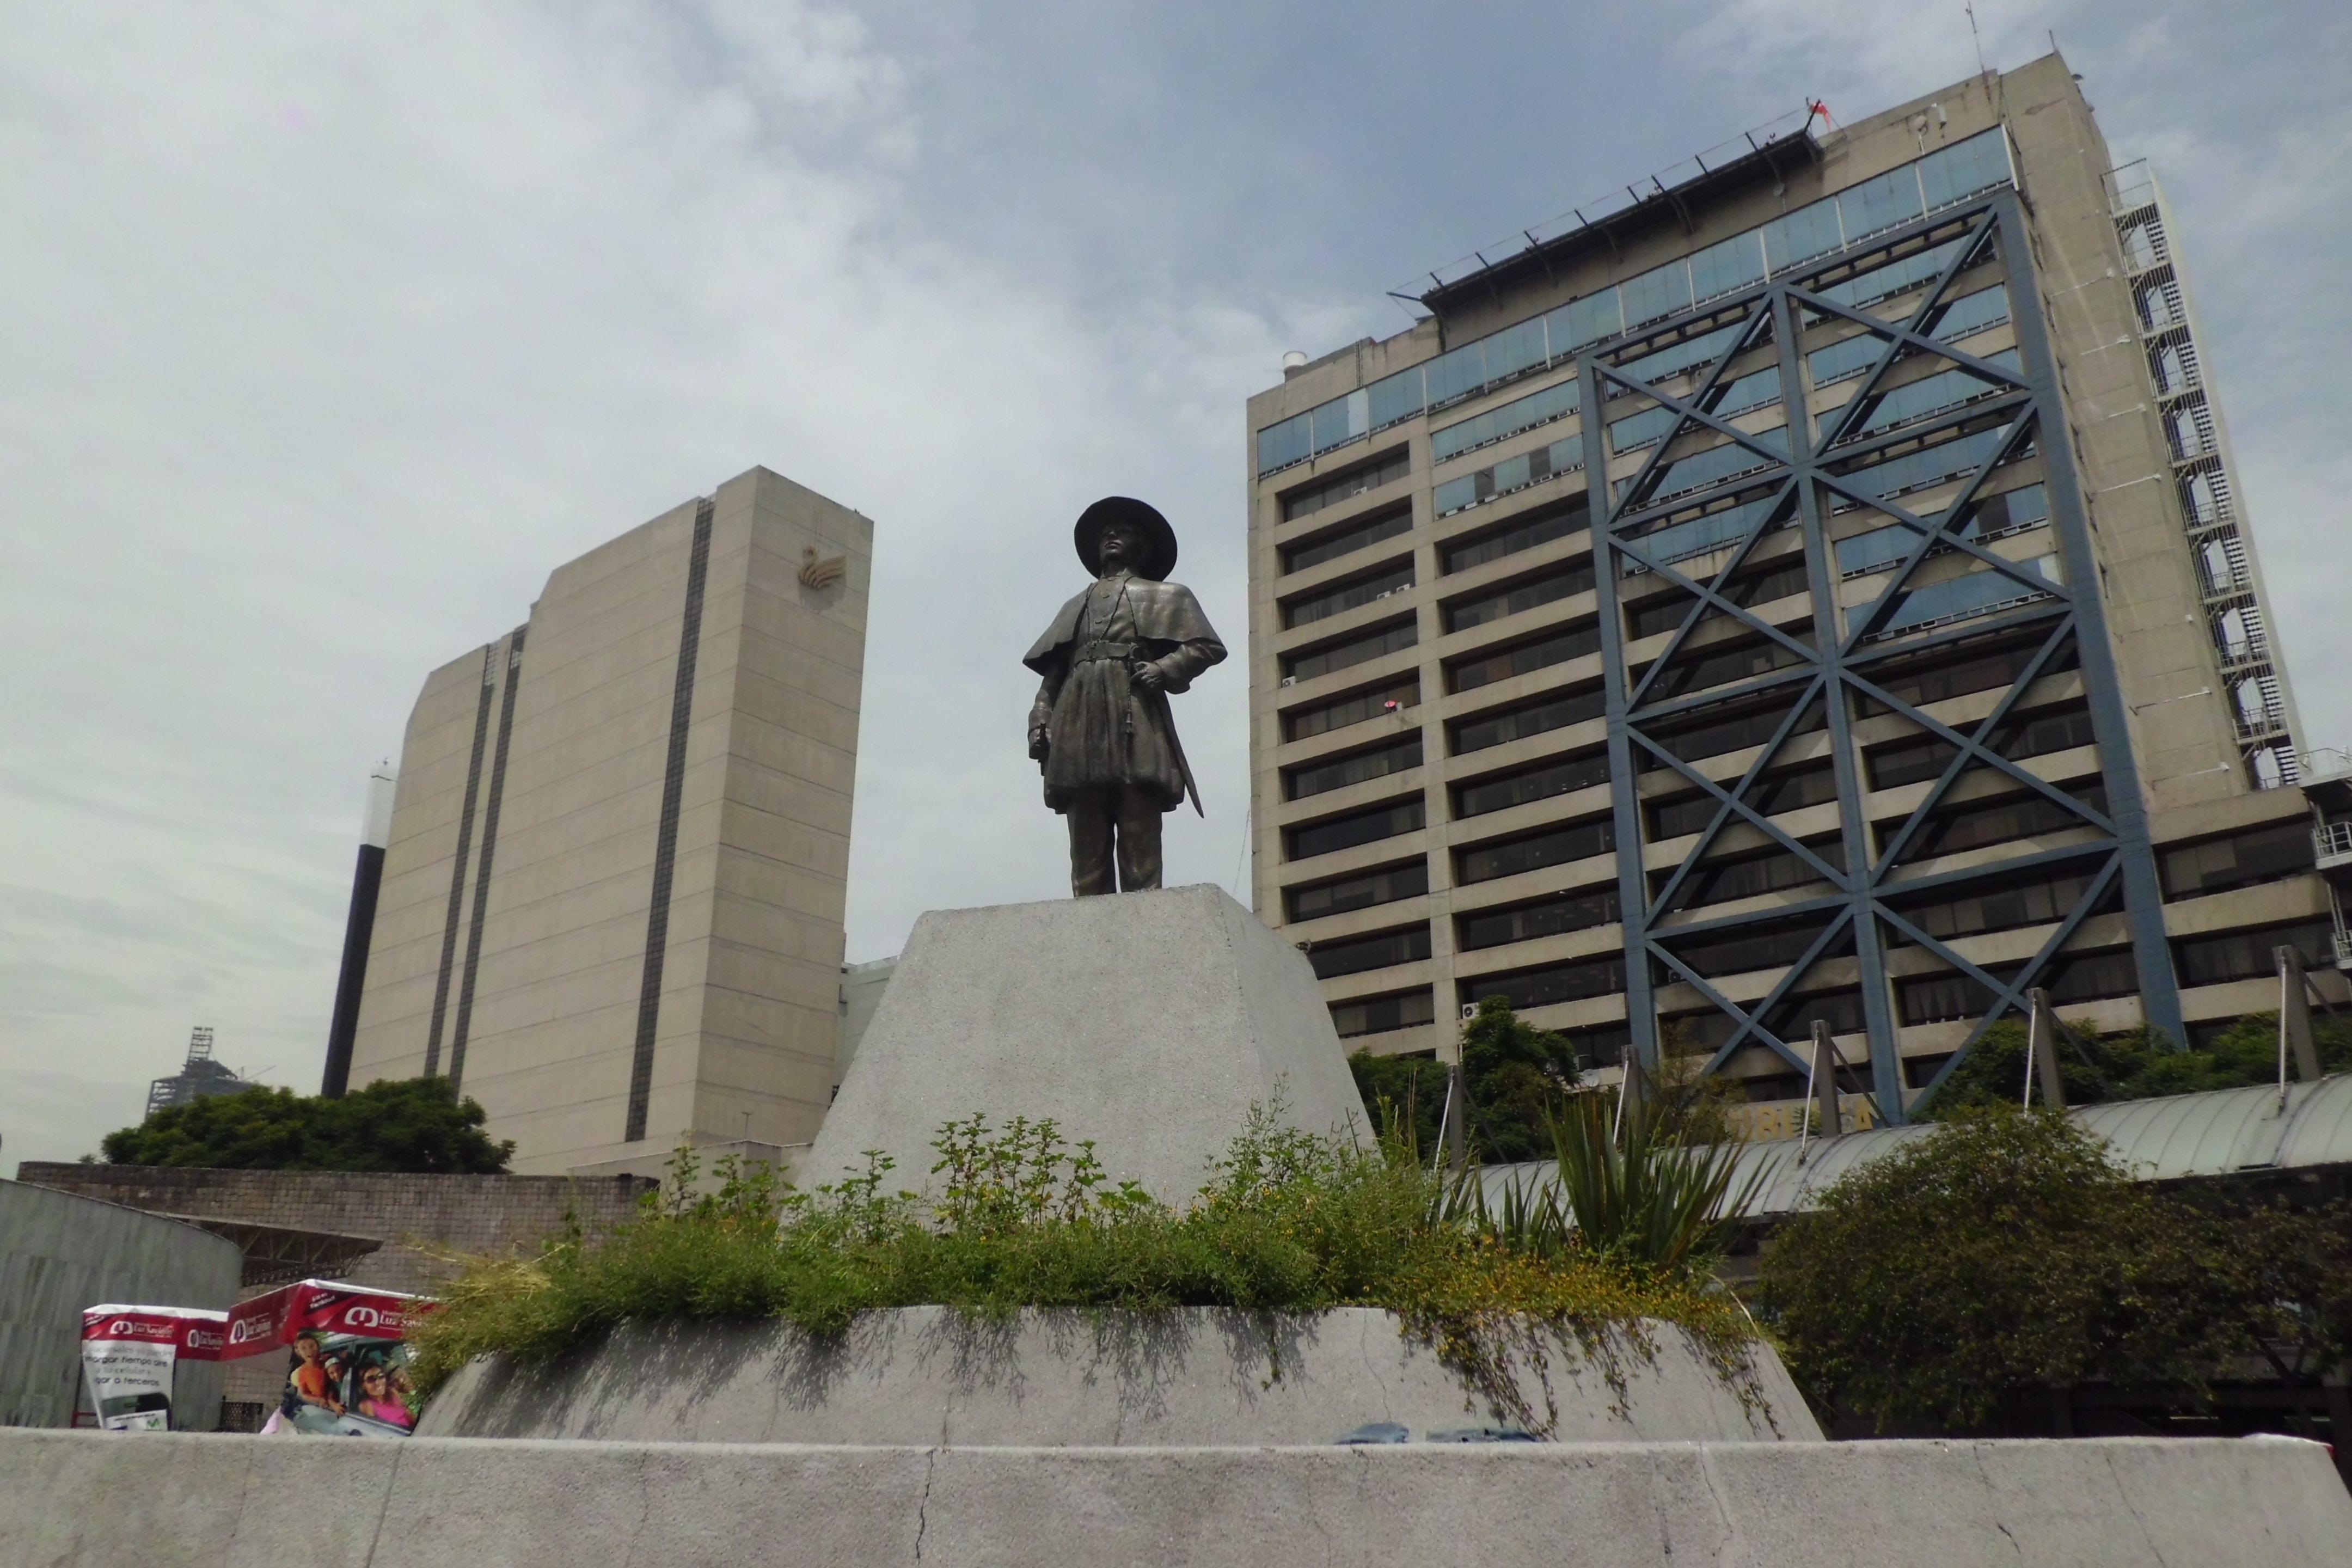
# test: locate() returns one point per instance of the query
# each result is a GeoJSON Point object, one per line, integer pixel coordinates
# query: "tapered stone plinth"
{"type": "Point", "coordinates": [1147, 1022]}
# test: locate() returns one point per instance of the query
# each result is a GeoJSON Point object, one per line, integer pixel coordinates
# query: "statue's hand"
{"type": "Point", "coordinates": [1038, 745]}
{"type": "Point", "coordinates": [1150, 675]}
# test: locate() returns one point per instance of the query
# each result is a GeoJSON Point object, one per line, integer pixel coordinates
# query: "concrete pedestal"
{"type": "Point", "coordinates": [1147, 1022]}
{"type": "Point", "coordinates": [924, 1375]}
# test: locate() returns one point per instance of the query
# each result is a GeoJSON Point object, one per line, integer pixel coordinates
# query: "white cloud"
{"type": "Point", "coordinates": [1861, 57]}
{"type": "Point", "coordinates": [331, 334]}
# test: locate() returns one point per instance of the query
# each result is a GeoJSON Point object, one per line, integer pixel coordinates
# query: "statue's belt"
{"type": "Point", "coordinates": [1098, 652]}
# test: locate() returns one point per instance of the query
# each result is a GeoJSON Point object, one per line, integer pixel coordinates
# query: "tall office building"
{"type": "Point", "coordinates": [612, 896]}
{"type": "Point", "coordinates": [1807, 585]}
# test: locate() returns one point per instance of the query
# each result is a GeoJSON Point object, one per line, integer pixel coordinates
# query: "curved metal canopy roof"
{"type": "Point", "coordinates": [2222, 1132]}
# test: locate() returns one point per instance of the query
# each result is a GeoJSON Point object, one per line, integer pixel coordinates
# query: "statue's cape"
{"type": "Point", "coordinates": [1164, 612]}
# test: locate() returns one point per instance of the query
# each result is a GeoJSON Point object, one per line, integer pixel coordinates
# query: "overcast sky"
{"type": "Point", "coordinates": [325, 332]}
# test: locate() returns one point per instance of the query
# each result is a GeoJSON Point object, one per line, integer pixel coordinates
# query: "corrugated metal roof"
{"type": "Point", "coordinates": [2217, 1133]}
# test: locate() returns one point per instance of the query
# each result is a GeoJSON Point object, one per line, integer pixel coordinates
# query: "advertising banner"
{"type": "Point", "coordinates": [130, 1354]}
{"type": "Point", "coordinates": [347, 1369]}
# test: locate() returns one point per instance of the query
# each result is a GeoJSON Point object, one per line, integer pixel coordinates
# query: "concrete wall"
{"type": "Point", "coordinates": [417, 1217]}
{"type": "Point", "coordinates": [2184, 743]}
{"type": "Point", "coordinates": [542, 985]}
{"type": "Point", "coordinates": [925, 1374]}
{"type": "Point", "coordinates": [60, 1253]}
{"type": "Point", "coordinates": [83, 1501]}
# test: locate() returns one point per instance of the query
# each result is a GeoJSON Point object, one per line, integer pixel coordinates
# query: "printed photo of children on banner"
{"type": "Point", "coordinates": [346, 1385]}
{"type": "Point", "coordinates": [347, 1357]}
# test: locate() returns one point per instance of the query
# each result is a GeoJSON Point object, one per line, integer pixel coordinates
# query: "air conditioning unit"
{"type": "Point", "coordinates": [1469, 1011]}
{"type": "Point", "coordinates": [1290, 681]}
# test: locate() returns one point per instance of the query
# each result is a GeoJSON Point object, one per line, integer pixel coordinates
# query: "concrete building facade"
{"type": "Point", "coordinates": [1808, 588]}
{"type": "Point", "coordinates": [612, 892]}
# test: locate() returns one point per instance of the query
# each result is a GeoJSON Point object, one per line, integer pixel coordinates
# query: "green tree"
{"type": "Point", "coordinates": [2137, 1064]}
{"type": "Point", "coordinates": [415, 1125]}
{"type": "Point", "coordinates": [1688, 1104]}
{"type": "Point", "coordinates": [2008, 1252]}
{"type": "Point", "coordinates": [1518, 1075]}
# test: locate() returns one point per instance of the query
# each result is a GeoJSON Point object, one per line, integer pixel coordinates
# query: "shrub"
{"type": "Point", "coordinates": [1288, 1222]}
{"type": "Point", "coordinates": [2007, 1251]}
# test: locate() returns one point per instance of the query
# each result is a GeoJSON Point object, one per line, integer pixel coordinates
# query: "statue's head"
{"type": "Point", "coordinates": [1119, 534]}
{"type": "Point", "coordinates": [1118, 547]}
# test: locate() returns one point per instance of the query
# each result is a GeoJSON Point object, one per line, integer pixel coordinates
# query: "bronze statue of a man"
{"type": "Point", "coordinates": [1100, 727]}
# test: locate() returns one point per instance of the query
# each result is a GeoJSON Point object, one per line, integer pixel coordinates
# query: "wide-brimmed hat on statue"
{"type": "Point", "coordinates": [1159, 539]}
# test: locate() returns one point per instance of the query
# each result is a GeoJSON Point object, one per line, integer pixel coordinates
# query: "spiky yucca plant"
{"type": "Point", "coordinates": [1633, 1194]}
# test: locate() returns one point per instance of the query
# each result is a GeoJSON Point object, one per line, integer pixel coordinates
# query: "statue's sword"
{"type": "Point", "coordinates": [1159, 700]}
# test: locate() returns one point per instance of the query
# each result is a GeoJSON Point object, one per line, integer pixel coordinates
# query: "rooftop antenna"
{"type": "Point", "coordinates": [1977, 38]}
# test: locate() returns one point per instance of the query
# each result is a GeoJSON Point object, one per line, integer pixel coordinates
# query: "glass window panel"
{"type": "Point", "coordinates": [1972, 593]}
{"type": "Point", "coordinates": [1585, 320]}
{"type": "Point", "coordinates": [1382, 1014]}
{"type": "Point", "coordinates": [1341, 420]}
{"type": "Point", "coordinates": [1516, 350]}
{"type": "Point", "coordinates": [1752, 391]}
{"type": "Point", "coordinates": [1323, 777]}
{"type": "Point", "coordinates": [1637, 430]}
{"type": "Point", "coordinates": [2013, 511]}
{"type": "Point", "coordinates": [1845, 359]}
{"type": "Point", "coordinates": [1457, 375]}
{"type": "Point", "coordinates": [1525, 534]}
{"type": "Point", "coordinates": [2261, 855]}
{"type": "Point", "coordinates": [1718, 464]}
{"type": "Point", "coordinates": [1541, 654]}
{"type": "Point", "coordinates": [1519, 597]}
{"type": "Point", "coordinates": [1733, 264]}
{"type": "Point", "coordinates": [1353, 651]}
{"type": "Point", "coordinates": [1701, 535]}
{"type": "Point", "coordinates": [1932, 466]}
{"type": "Point", "coordinates": [1279, 445]}
{"type": "Point", "coordinates": [1345, 596]}
{"type": "Point", "coordinates": [1301, 723]}
{"type": "Point", "coordinates": [1899, 276]}
{"type": "Point", "coordinates": [1328, 492]}
{"type": "Point", "coordinates": [1657, 293]}
{"type": "Point", "coordinates": [1930, 396]}
{"type": "Point", "coordinates": [1360, 891]}
{"type": "Point", "coordinates": [1395, 397]}
{"type": "Point", "coordinates": [1802, 234]}
{"type": "Point", "coordinates": [1356, 827]}
{"type": "Point", "coordinates": [1562, 457]}
{"type": "Point", "coordinates": [1560, 777]}
{"type": "Point", "coordinates": [1892, 198]}
{"type": "Point", "coordinates": [1556, 983]}
{"type": "Point", "coordinates": [1689, 354]}
{"type": "Point", "coordinates": [1577, 841]}
{"type": "Point", "coordinates": [1964, 168]}
{"type": "Point", "coordinates": [1579, 911]}
{"type": "Point", "coordinates": [1973, 313]}
{"type": "Point", "coordinates": [1355, 955]}
{"type": "Point", "coordinates": [1533, 718]}
{"type": "Point", "coordinates": [1349, 541]}
{"type": "Point", "coordinates": [1556, 402]}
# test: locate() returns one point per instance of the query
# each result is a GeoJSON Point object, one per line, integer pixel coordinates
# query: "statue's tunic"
{"type": "Point", "coordinates": [1103, 730]}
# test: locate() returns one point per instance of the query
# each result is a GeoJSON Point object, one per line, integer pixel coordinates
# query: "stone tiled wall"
{"type": "Point", "coordinates": [413, 1215]}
